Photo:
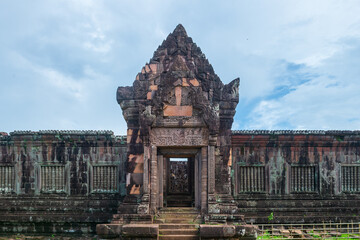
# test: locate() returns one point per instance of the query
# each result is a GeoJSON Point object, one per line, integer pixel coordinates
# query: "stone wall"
{"type": "Point", "coordinates": [60, 181]}
{"type": "Point", "coordinates": [297, 176]}
{"type": "Point", "coordinates": [69, 181]}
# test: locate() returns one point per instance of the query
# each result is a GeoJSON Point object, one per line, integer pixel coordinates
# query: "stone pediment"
{"type": "Point", "coordinates": [178, 88]}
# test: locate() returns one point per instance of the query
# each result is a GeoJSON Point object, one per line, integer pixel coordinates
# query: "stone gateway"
{"type": "Point", "coordinates": [181, 172]}
{"type": "Point", "coordinates": [177, 103]}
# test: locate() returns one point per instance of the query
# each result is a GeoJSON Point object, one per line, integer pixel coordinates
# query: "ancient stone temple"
{"type": "Point", "coordinates": [179, 108]}
{"type": "Point", "coordinates": [181, 172]}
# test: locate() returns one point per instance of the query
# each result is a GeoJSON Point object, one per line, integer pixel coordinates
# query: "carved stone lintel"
{"type": "Point", "coordinates": [179, 136]}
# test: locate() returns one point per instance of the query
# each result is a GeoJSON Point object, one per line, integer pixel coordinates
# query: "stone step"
{"type": "Point", "coordinates": [179, 237]}
{"type": "Point", "coordinates": [183, 221]}
{"type": "Point", "coordinates": [187, 218]}
{"type": "Point", "coordinates": [179, 196]}
{"type": "Point", "coordinates": [179, 201]}
{"type": "Point", "coordinates": [179, 210]}
{"type": "Point", "coordinates": [179, 232]}
{"type": "Point", "coordinates": [175, 219]}
{"type": "Point", "coordinates": [194, 212]}
{"type": "Point", "coordinates": [179, 204]}
{"type": "Point", "coordinates": [179, 215]}
{"type": "Point", "coordinates": [178, 226]}
{"type": "Point", "coordinates": [188, 211]}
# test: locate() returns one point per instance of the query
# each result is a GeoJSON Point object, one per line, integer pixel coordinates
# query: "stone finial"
{"type": "Point", "coordinates": [180, 30]}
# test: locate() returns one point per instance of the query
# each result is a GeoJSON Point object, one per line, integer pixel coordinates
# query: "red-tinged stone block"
{"type": "Point", "coordinates": [153, 67]}
{"type": "Point", "coordinates": [147, 68]}
{"type": "Point", "coordinates": [139, 168]}
{"type": "Point", "coordinates": [149, 95]}
{"type": "Point", "coordinates": [300, 137]}
{"type": "Point", "coordinates": [153, 87]}
{"type": "Point", "coordinates": [184, 111]}
{"type": "Point", "coordinates": [178, 95]}
{"type": "Point", "coordinates": [140, 230]}
{"type": "Point", "coordinates": [185, 83]}
{"type": "Point", "coordinates": [135, 190]}
{"type": "Point", "coordinates": [217, 231]}
{"type": "Point", "coordinates": [194, 82]}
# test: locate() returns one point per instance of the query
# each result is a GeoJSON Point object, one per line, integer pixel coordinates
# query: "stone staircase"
{"type": "Point", "coordinates": [185, 215]}
{"type": "Point", "coordinates": [177, 223]}
{"type": "Point", "coordinates": [178, 231]}
{"type": "Point", "coordinates": [179, 200]}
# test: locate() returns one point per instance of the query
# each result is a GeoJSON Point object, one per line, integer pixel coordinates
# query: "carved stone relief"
{"type": "Point", "coordinates": [179, 136]}
{"type": "Point", "coordinates": [179, 177]}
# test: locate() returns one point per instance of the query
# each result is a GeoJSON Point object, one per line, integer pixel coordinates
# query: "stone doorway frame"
{"type": "Point", "coordinates": [192, 154]}
{"type": "Point", "coordinates": [156, 165]}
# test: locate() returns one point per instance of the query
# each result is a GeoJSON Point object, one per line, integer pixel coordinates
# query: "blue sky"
{"type": "Point", "coordinates": [62, 61]}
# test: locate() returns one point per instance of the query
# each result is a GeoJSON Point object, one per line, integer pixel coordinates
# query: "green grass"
{"type": "Point", "coordinates": [311, 235]}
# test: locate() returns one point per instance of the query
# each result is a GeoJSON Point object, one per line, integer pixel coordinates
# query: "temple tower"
{"type": "Point", "coordinates": [178, 108]}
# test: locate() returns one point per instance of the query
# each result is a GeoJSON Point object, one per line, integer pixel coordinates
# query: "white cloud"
{"type": "Point", "coordinates": [51, 77]}
{"type": "Point", "coordinates": [329, 101]}
{"type": "Point", "coordinates": [65, 83]}
{"type": "Point", "coordinates": [74, 54]}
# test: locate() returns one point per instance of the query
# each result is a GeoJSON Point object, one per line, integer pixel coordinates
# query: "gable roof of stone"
{"type": "Point", "coordinates": [179, 43]}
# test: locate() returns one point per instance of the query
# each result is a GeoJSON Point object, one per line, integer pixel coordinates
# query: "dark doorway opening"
{"type": "Point", "coordinates": [180, 181]}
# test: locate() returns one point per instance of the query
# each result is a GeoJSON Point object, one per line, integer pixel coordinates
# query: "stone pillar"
{"type": "Point", "coordinates": [153, 180]}
{"type": "Point", "coordinates": [161, 180]}
{"type": "Point", "coordinates": [143, 207]}
{"type": "Point", "coordinates": [146, 170]}
{"type": "Point", "coordinates": [212, 204]}
{"type": "Point", "coordinates": [204, 179]}
{"type": "Point", "coordinates": [211, 165]}
{"type": "Point", "coordinates": [165, 176]}
{"type": "Point", "coordinates": [211, 171]}
{"type": "Point", "coordinates": [197, 180]}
